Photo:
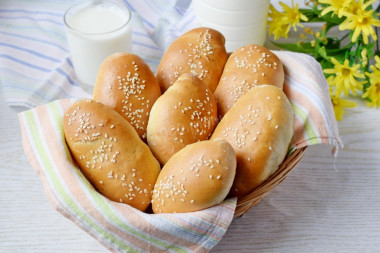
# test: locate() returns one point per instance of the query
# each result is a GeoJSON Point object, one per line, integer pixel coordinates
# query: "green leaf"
{"type": "Point", "coordinates": [341, 56]}
{"type": "Point", "coordinates": [326, 64]}
{"type": "Point", "coordinates": [330, 18]}
{"type": "Point", "coordinates": [336, 50]}
{"type": "Point", "coordinates": [322, 53]}
{"type": "Point", "coordinates": [311, 15]}
{"type": "Point", "coordinates": [297, 47]}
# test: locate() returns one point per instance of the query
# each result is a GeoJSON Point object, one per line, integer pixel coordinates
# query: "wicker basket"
{"type": "Point", "coordinates": [252, 199]}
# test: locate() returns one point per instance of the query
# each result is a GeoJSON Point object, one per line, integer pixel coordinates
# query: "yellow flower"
{"type": "Point", "coordinates": [377, 64]}
{"type": "Point", "coordinates": [339, 105]}
{"type": "Point", "coordinates": [354, 6]}
{"type": "Point", "coordinates": [308, 30]}
{"type": "Point", "coordinates": [336, 6]}
{"type": "Point", "coordinates": [302, 36]}
{"type": "Point", "coordinates": [344, 78]}
{"type": "Point", "coordinates": [373, 91]}
{"type": "Point", "coordinates": [281, 22]}
{"type": "Point", "coordinates": [277, 23]}
{"type": "Point", "coordinates": [361, 21]}
{"type": "Point", "coordinates": [364, 57]}
{"type": "Point", "coordinates": [293, 15]}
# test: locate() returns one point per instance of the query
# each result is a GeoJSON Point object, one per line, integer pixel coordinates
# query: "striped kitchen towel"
{"type": "Point", "coordinates": [119, 227]}
{"type": "Point", "coordinates": [123, 228]}
{"type": "Point", "coordinates": [35, 64]}
{"type": "Point", "coordinates": [307, 90]}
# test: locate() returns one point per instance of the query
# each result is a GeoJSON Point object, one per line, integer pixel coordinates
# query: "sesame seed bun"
{"type": "Point", "coordinates": [184, 114]}
{"type": "Point", "coordinates": [200, 51]}
{"type": "Point", "coordinates": [110, 154]}
{"type": "Point", "coordinates": [259, 126]}
{"type": "Point", "coordinates": [247, 67]}
{"type": "Point", "coordinates": [197, 177]}
{"type": "Point", "coordinates": [126, 83]}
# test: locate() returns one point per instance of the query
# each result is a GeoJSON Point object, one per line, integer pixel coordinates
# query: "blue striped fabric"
{"type": "Point", "coordinates": [35, 65]}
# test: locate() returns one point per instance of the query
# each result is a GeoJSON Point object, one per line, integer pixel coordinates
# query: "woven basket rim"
{"type": "Point", "coordinates": [253, 198]}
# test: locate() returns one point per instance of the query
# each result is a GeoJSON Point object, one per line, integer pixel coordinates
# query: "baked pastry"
{"type": "Point", "coordinates": [126, 83]}
{"type": "Point", "coordinates": [259, 126]}
{"type": "Point", "coordinates": [110, 154]}
{"type": "Point", "coordinates": [247, 67]}
{"type": "Point", "coordinates": [184, 114]}
{"type": "Point", "coordinates": [197, 177]}
{"type": "Point", "coordinates": [200, 51]}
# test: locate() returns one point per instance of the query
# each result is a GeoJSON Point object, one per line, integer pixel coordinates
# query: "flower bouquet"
{"type": "Point", "coordinates": [351, 60]}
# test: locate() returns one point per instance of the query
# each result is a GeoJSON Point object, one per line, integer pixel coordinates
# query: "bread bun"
{"type": "Point", "coordinates": [259, 126]}
{"type": "Point", "coordinates": [184, 114]}
{"type": "Point", "coordinates": [247, 67]}
{"type": "Point", "coordinates": [110, 153]}
{"type": "Point", "coordinates": [197, 177]}
{"type": "Point", "coordinates": [200, 51]}
{"type": "Point", "coordinates": [126, 83]}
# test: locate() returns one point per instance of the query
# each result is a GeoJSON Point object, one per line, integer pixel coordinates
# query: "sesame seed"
{"type": "Point", "coordinates": [218, 177]}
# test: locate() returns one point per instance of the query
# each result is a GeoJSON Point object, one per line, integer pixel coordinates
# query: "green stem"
{"type": "Point", "coordinates": [377, 34]}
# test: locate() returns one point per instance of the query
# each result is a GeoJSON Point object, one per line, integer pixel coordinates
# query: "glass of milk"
{"type": "Point", "coordinates": [96, 29]}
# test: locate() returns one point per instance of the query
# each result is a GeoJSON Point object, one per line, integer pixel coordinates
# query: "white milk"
{"type": "Point", "coordinates": [95, 30]}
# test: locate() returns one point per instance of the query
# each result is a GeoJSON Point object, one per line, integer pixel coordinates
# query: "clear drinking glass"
{"type": "Point", "coordinates": [96, 29]}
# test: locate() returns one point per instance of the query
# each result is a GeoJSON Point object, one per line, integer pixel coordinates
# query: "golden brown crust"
{"type": "Point", "coordinates": [200, 51]}
{"type": "Point", "coordinates": [110, 153]}
{"type": "Point", "coordinates": [126, 83]}
{"type": "Point", "coordinates": [259, 126]}
{"type": "Point", "coordinates": [247, 67]}
{"type": "Point", "coordinates": [197, 177]}
{"type": "Point", "coordinates": [184, 114]}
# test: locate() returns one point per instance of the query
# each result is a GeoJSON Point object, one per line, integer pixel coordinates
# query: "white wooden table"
{"type": "Point", "coordinates": [325, 204]}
